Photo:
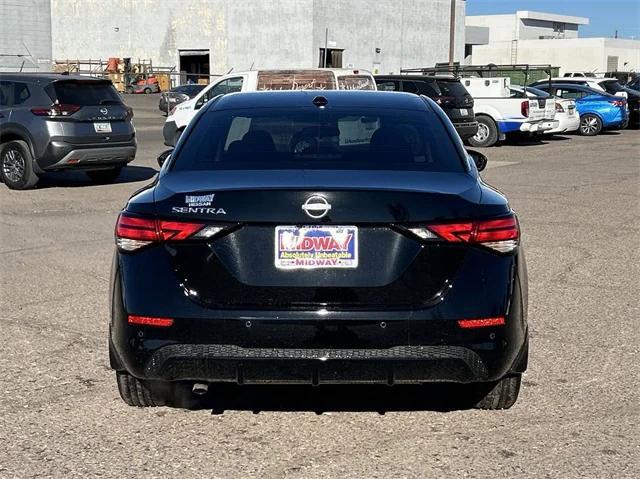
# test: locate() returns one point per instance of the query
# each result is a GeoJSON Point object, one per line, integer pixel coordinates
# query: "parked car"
{"type": "Point", "coordinates": [318, 237]}
{"type": "Point", "coordinates": [258, 80]}
{"type": "Point", "coordinates": [499, 114]}
{"type": "Point", "coordinates": [579, 74]}
{"type": "Point", "coordinates": [613, 87]}
{"type": "Point", "coordinates": [446, 91]}
{"type": "Point", "coordinates": [178, 95]}
{"type": "Point", "coordinates": [598, 110]}
{"type": "Point", "coordinates": [51, 122]}
{"type": "Point", "coordinates": [566, 113]}
{"type": "Point", "coordinates": [608, 85]}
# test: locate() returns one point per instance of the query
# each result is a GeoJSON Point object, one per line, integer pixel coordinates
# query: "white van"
{"type": "Point", "coordinates": [256, 80]}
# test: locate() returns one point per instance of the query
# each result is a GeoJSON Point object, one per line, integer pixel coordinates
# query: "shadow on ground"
{"type": "Point", "coordinates": [332, 398]}
{"type": "Point", "coordinates": [72, 179]}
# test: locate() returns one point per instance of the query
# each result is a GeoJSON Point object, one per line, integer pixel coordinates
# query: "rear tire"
{"type": "Point", "coordinates": [147, 91]}
{"type": "Point", "coordinates": [487, 134]}
{"type": "Point", "coordinates": [499, 395]}
{"type": "Point", "coordinates": [16, 166]}
{"type": "Point", "coordinates": [590, 125]}
{"type": "Point", "coordinates": [135, 393]}
{"type": "Point", "coordinates": [104, 176]}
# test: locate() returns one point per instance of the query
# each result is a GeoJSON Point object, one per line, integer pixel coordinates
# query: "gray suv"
{"type": "Point", "coordinates": [51, 122]}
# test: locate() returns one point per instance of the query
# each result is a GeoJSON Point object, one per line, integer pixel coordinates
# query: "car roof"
{"type": "Point", "coordinates": [579, 87]}
{"type": "Point", "coordinates": [335, 98]}
{"type": "Point", "coordinates": [416, 77]}
{"type": "Point", "coordinates": [46, 77]}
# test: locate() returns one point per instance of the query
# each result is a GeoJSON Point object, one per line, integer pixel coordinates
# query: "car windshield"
{"type": "Point", "coordinates": [313, 138]}
{"type": "Point", "coordinates": [83, 93]}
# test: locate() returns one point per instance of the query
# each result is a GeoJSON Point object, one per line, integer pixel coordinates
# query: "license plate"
{"type": "Point", "coordinates": [316, 247]}
{"type": "Point", "coordinates": [464, 112]}
{"type": "Point", "coordinates": [102, 127]}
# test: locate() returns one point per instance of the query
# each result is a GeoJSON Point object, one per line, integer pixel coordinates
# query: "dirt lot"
{"type": "Point", "coordinates": [578, 414]}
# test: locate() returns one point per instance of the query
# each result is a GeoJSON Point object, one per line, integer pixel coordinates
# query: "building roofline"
{"type": "Point", "coordinates": [552, 17]}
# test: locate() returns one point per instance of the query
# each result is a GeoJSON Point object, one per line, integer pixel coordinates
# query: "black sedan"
{"type": "Point", "coordinates": [177, 95]}
{"type": "Point", "coordinates": [318, 238]}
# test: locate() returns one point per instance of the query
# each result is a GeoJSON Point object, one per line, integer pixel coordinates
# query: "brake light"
{"type": "Point", "coordinates": [559, 108]}
{"type": "Point", "coordinates": [57, 109]}
{"type": "Point", "coordinates": [133, 233]}
{"type": "Point", "coordinates": [150, 321]}
{"type": "Point", "coordinates": [524, 108]}
{"type": "Point", "coordinates": [618, 103]}
{"type": "Point", "coordinates": [481, 322]}
{"type": "Point", "coordinates": [501, 234]}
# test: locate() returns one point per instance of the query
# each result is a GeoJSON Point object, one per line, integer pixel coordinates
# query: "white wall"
{"type": "Point", "coordinates": [588, 54]}
{"type": "Point", "coordinates": [502, 28]}
{"type": "Point", "coordinates": [266, 33]}
{"type": "Point", "coordinates": [25, 29]}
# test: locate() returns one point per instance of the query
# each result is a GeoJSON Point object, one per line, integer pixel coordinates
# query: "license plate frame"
{"type": "Point", "coordinates": [316, 247]}
{"type": "Point", "coordinates": [102, 127]}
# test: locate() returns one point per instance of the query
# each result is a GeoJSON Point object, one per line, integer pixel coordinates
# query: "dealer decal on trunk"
{"type": "Point", "coordinates": [199, 204]}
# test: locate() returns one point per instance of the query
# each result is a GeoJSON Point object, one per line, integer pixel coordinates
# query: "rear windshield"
{"type": "Point", "coordinates": [313, 138]}
{"type": "Point", "coordinates": [83, 93]}
{"type": "Point", "coordinates": [451, 88]}
{"type": "Point", "coordinates": [356, 82]}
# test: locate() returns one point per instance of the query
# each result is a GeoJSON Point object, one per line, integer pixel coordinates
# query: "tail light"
{"type": "Point", "coordinates": [150, 321]}
{"type": "Point", "coordinates": [524, 108]}
{"type": "Point", "coordinates": [481, 322]}
{"type": "Point", "coordinates": [133, 232]}
{"type": "Point", "coordinates": [618, 103]}
{"type": "Point", "coordinates": [559, 108]}
{"type": "Point", "coordinates": [501, 234]}
{"type": "Point", "coordinates": [57, 109]}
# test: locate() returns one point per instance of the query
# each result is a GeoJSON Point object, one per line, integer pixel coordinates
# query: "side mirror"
{"type": "Point", "coordinates": [164, 156]}
{"type": "Point", "coordinates": [479, 159]}
{"type": "Point", "coordinates": [201, 101]}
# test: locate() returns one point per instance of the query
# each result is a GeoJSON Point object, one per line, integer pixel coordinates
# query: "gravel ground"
{"type": "Point", "coordinates": [60, 413]}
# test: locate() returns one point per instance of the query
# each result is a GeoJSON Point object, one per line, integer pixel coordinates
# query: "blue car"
{"type": "Point", "coordinates": [598, 110]}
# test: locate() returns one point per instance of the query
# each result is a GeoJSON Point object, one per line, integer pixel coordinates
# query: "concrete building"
{"type": "Point", "coordinates": [546, 38]}
{"type": "Point", "coordinates": [25, 35]}
{"type": "Point", "coordinates": [213, 36]}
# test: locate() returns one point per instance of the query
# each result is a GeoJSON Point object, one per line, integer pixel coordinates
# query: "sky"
{"type": "Point", "coordinates": [606, 16]}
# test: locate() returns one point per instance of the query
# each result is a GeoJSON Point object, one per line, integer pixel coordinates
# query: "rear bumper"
{"type": "Point", "coordinates": [539, 127]}
{"type": "Point", "coordinates": [61, 155]}
{"type": "Point", "coordinates": [567, 124]}
{"type": "Point", "coordinates": [265, 346]}
{"type": "Point", "coordinates": [466, 129]}
{"type": "Point", "coordinates": [400, 364]}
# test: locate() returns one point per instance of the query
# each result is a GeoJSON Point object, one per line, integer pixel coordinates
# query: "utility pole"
{"type": "Point", "coordinates": [452, 33]}
{"type": "Point", "coordinates": [326, 45]}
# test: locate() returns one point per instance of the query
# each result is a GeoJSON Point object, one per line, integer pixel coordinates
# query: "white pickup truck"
{"type": "Point", "coordinates": [500, 113]}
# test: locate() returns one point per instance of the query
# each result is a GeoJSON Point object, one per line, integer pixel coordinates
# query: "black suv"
{"type": "Point", "coordinates": [446, 91]}
{"type": "Point", "coordinates": [52, 122]}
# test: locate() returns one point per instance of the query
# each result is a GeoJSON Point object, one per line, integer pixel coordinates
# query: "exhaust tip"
{"type": "Point", "coordinates": [200, 389]}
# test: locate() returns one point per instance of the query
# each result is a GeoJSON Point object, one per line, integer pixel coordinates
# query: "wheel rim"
{"type": "Point", "coordinates": [589, 125]}
{"type": "Point", "coordinates": [13, 165]}
{"type": "Point", "coordinates": [482, 133]}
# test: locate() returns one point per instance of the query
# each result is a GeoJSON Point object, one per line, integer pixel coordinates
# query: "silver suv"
{"type": "Point", "coordinates": [51, 122]}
